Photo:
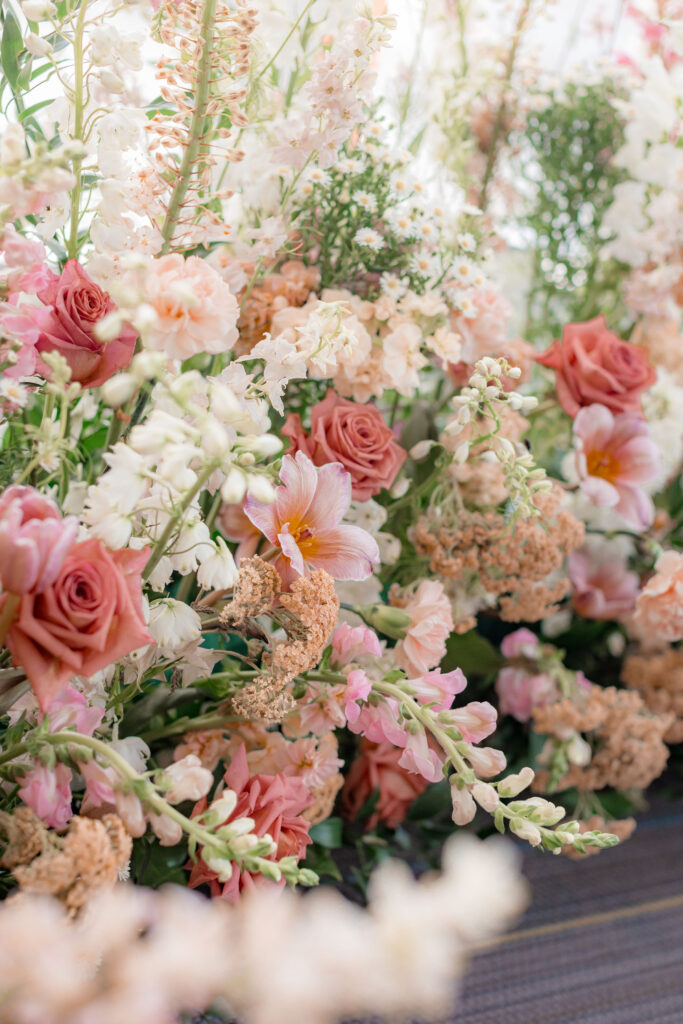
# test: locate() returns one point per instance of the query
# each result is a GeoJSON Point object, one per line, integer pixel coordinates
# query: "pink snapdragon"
{"type": "Point", "coordinates": [304, 523]}
{"type": "Point", "coordinates": [358, 687]}
{"type": "Point", "coordinates": [34, 540]}
{"type": "Point", "coordinates": [353, 643]}
{"type": "Point", "coordinates": [475, 721]}
{"type": "Point", "coordinates": [438, 688]}
{"type": "Point", "coordinates": [520, 643]}
{"type": "Point", "coordinates": [47, 791]}
{"type": "Point", "coordinates": [614, 457]}
{"type": "Point", "coordinates": [419, 757]}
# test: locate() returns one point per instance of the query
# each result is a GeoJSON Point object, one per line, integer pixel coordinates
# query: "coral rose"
{"type": "Point", "coordinates": [602, 587]}
{"type": "Point", "coordinates": [353, 434]}
{"type": "Point", "coordinates": [196, 311]}
{"type": "Point", "coordinates": [593, 365]}
{"type": "Point", "coordinates": [377, 769]}
{"type": "Point", "coordinates": [74, 305]}
{"type": "Point", "coordinates": [88, 618]}
{"type": "Point", "coordinates": [274, 803]}
{"type": "Point", "coordinates": [659, 608]}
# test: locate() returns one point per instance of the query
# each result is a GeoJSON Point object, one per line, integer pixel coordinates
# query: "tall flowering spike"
{"type": "Point", "coordinates": [209, 48]}
{"type": "Point", "coordinates": [304, 523]}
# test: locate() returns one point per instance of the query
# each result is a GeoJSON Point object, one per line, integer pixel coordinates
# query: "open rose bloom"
{"type": "Point", "coordinates": [331, 471]}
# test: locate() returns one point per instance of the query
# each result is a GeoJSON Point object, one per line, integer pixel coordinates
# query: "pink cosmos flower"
{"type": "Point", "coordinates": [424, 645]}
{"type": "Point", "coordinates": [352, 643]}
{"type": "Point", "coordinates": [438, 688]}
{"type": "Point", "coordinates": [304, 523]}
{"type": "Point", "coordinates": [34, 540]}
{"type": "Point", "coordinates": [614, 456]}
{"type": "Point", "coordinates": [603, 588]}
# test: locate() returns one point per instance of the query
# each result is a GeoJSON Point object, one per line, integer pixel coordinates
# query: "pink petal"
{"type": "Point", "coordinates": [639, 460]}
{"type": "Point", "coordinates": [635, 507]}
{"type": "Point", "coordinates": [300, 480]}
{"type": "Point", "coordinates": [601, 492]}
{"type": "Point", "coordinates": [346, 552]}
{"type": "Point", "coordinates": [290, 549]}
{"type": "Point", "coordinates": [594, 425]}
{"type": "Point", "coordinates": [332, 497]}
{"type": "Point", "coordinates": [263, 517]}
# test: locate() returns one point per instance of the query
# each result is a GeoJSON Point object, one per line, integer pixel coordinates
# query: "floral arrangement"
{"type": "Point", "coordinates": [311, 551]}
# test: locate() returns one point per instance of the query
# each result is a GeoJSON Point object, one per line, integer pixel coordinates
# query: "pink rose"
{"type": "Point", "coordinates": [34, 540]}
{"type": "Point", "coordinates": [355, 435]}
{"type": "Point", "coordinates": [88, 618]}
{"type": "Point", "coordinates": [73, 306]}
{"type": "Point", "coordinates": [602, 588]}
{"type": "Point", "coordinates": [595, 366]}
{"type": "Point", "coordinates": [275, 803]}
{"type": "Point", "coordinates": [377, 768]}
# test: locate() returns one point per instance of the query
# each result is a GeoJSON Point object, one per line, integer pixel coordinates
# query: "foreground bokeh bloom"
{"type": "Point", "coordinates": [593, 365]}
{"type": "Point", "coordinates": [354, 435]}
{"type": "Point", "coordinates": [88, 618]}
{"type": "Point", "coordinates": [659, 608]}
{"type": "Point", "coordinates": [614, 457]}
{"type": "Point", "coordinates": [304, 523]}
{"type": "Point", "coordinates": [73, 306]}
{"type": "Point", "coordinates": [34, 540]}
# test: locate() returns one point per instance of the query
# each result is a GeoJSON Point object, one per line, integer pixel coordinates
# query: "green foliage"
{"type": "Point", "coordinates": [472, 653]}
{"type": "Point", "coordinates": [572, 143]}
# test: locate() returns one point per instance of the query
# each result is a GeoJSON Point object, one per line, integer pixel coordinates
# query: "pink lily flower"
{"type": "Point", "coordinates": [614, 455]}
{"type": "Point", "coordinates": [304, 523]}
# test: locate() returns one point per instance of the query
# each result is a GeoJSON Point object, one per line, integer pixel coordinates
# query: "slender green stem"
{"type": "Point", "coordinates": [266, 67]}
{"type": "Point", "coordinates": [187, 723]}
{"type": "Point", "coordinates": [79, 107]}
{"type": "Point", "coordinates": [160, 545]}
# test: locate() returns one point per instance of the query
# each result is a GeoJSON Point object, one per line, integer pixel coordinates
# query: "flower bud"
{"type": "Point", "coordinates": [260, 489]}
{"type": "Point", "coordinates": [119, 389]}
{"type": "Point", "coordinates": [221, 866]}
{"type": "Point", "coordinates": [38, 10]}
{"type": "Point", "coordinates": [464, 807]}
{"type": "Point", "coordinates": [234, 487]}
{"type": "Point", "coordinates": [36, 46]}
{"type": "Point", "coordinates": [392, 622]}
{"type": "Point", "coordinates": [265, 445]}
{"type": "Point", "coordinates": [486, 796]}
{"type": "Point", "coordinates": [511, 785]}
{"type": "Point", "coordinates": [223, 807]}
{"type": "Point", "coordinates": [525, 830]}
{"type": "Point", "coordinates": [168, 832]}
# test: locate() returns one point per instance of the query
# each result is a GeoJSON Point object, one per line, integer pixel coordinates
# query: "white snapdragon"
{"type": "Point", "coordinates": [173, 624]}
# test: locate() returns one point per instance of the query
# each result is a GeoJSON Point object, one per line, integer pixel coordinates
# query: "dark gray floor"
{"type": "Point", "coordinates": [601, 943]}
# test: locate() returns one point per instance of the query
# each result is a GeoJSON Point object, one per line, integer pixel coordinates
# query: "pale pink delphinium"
{"type": "Point", "coordinates": [614, 458]}
{"type": "Point", "coordinates": [659, 607]}
{"type": "Point", "coordinates": [424, 644]}
{"type": "Point", "coordinates": [195, 309]}
{"type": "Point", "coordinates": [304, 523]}
{"type": "Point", "coordinates": [602, 586]}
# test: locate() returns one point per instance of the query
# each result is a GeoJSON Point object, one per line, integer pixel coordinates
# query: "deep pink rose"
{"type": "Point", "coordinates": [274, 803]}
{"type": "Point", "coordinates": [88, 618]}
{"type": "Point", "coordinates": [595, 366]}
{"type": "Point", "coordinates": [73, 306]}
{"type": "Point", "coordinates": [377, 768]}
{"type": "Point", "coordinates": [353, 434]}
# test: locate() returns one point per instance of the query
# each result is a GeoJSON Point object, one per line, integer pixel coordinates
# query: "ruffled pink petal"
{"type": "Point", "coordinates": [263, 517]}
{"type": "Point", "coordinates": [332, 497]}
{"type": "Point", "coordinates": [290, 549]}
{"type": "Point", "coordinates": [346, 552]}
{"type": "Point", "coordinates": [300, 480]}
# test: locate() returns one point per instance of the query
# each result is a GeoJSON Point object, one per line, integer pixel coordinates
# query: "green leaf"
{"type": "Point", "coordinates": [472, 653]}
{"type": "Point", "coordinates": [435, 800]}
{"type": "Point", "coordinates": [327, 833]}
{"type": "Point", "coordinates": [155, 865]}
{"type": "Point", "coordinates": [11, 46]}
{"type": "Point", "coordinates": [320, 860]}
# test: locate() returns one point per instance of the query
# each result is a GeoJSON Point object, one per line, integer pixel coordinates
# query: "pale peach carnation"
{"type": "Point", "coordinates": [659, 608]}
{"type": "Point", "coordinates": [424, 644]}
{"type": "Point", "coordinates": [196, 311]}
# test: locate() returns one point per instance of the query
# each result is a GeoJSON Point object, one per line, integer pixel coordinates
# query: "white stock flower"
{"type": "Point", "coordinates": [173, 624]}
{"type": "Point", "coordinates": [218, 571]}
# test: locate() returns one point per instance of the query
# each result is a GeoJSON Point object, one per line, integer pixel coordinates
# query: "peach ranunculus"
{"type": "Point", "coordinates": [377, 769]}
{"type": "Point", "coordinates": [614, 457]}
{"type": "Point", "coordinates": [304, 522]}
{"type": "Point", "coordinates": [602, 586]}
{"type": "Point", "coordinates": [73, 306]}
{"type": "Point", "coordinates": [89, 617]}
{"type": "Point", "coordinates": [592, 365]}
{"type": "Point", "coordinates": [353, 434]}
{"type": "Point", "coordinates": [424, 644]}
{"type": "Point", "coordinates": [275, 804]}
{"type": "Point", "coordinates": [659, 608]}
{"type": "Point", "coordinates": [196, 311]}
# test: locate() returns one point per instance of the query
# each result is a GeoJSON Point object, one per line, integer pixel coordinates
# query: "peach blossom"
{"type": "Point", "coordinates": [196, 311]}
{"type": "Point", "coordinates": [424, 644]}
